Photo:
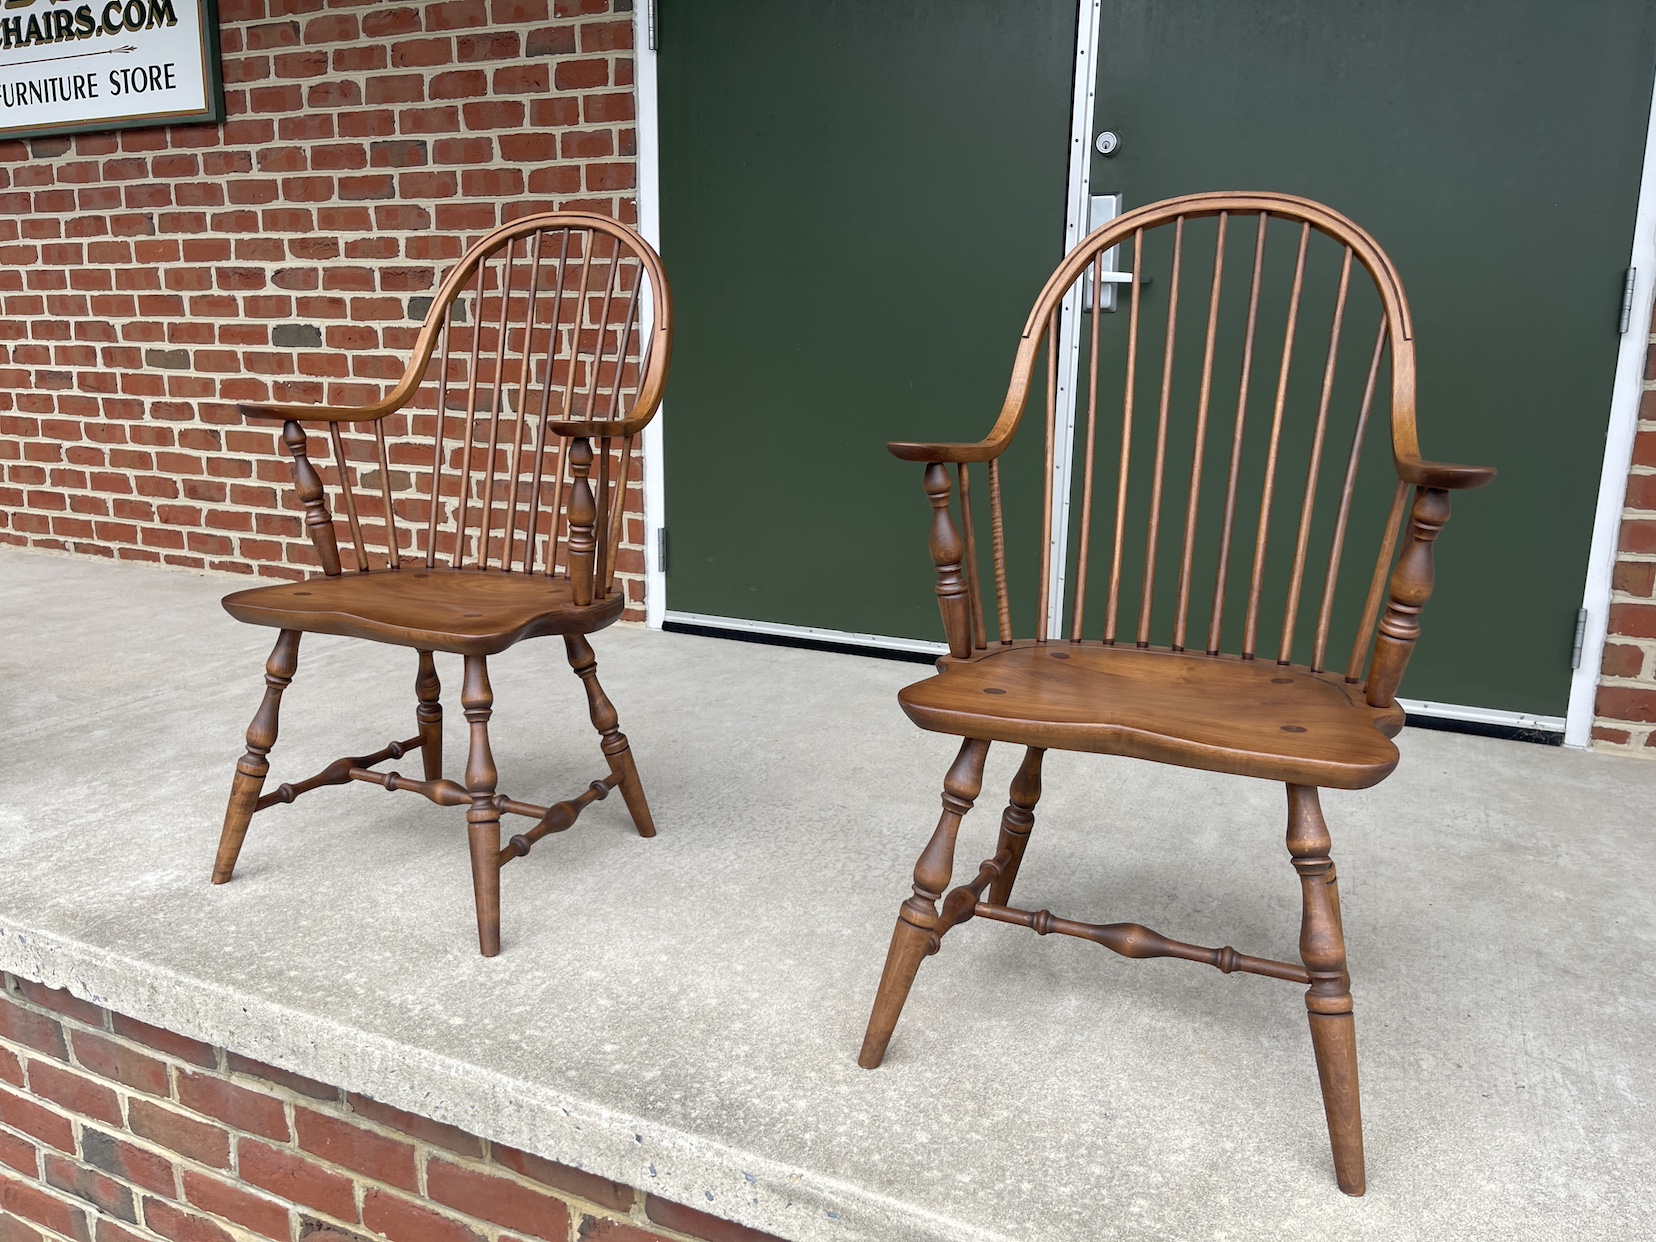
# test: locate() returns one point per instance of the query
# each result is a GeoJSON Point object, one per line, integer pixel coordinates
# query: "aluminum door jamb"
{"type": "Point", "coordinates": [654, 472]}
{"type": "Point", "coordinates": [1618, 455]}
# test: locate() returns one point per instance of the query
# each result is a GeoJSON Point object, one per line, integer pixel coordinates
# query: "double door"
{"type": "Point", "coordinates": [861, 199]}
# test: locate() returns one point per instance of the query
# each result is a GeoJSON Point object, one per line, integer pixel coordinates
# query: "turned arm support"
{"type": "Point", "coordinates": [953, 600]}
{"type": "Point", "coordinates": [1413, 578]}
{"type": "Point", "coordinates": [318, 521]}
{"type": "Point", "coordinates": [583, 518]}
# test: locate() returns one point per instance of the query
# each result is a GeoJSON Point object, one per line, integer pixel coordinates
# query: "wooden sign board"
{"type": "Point", "coordinates": [68, 66]}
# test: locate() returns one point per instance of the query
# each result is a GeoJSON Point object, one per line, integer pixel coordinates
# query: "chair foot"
{"type": "Point", "coordinates": [1328, 1000]}
{"type": "Point", "coordinates": [617, 750]}
{"type": "Point", "coordinates": [911, 940]}
{"type": "Point", "coordinates": [254, 766]}
{"type": "Point", "coordinates": [483, 818]}
{"type": "Point", "coordinates": [1016, 822]}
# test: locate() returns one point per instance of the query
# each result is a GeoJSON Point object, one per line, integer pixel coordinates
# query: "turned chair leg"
{"type": "Point", "coordinates": [616, 749]}
{"type": "Point", "coordinates": [917, 917]}
{"type": "Point", "coordinates": [483, 819]}
{"type": "Point", "coordinates": [1016, 821]}
{"type": "Point", "coordinates": [1322, 948]}
{"type": "Point", "coordinates": [254, 766]}
{"type": "Point", "coordinates": [429, 717]}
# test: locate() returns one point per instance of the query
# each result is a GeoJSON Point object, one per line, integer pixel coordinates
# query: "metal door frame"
{"type": "Point", "coordinates": [1576, 727]}
{"type": "Point", "coordinates": [1618, 455]}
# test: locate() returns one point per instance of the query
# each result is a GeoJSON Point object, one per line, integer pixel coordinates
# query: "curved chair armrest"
{"type": "Point", "coordinates": [320, 413]}
{"type": "Point", "coordinates": [983, 450]}
{"type": "Point", "coordinates": [1443, 474]}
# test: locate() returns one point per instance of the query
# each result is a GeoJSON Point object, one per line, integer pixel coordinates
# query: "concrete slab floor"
{"type": "Point", "coordinates": [683, 1014]}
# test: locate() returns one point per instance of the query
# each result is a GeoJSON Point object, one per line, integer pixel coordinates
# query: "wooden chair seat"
{"type": "Point", "coordinates": [1217, 713]}
{"type": "Point", "coordinates": [466, 611]}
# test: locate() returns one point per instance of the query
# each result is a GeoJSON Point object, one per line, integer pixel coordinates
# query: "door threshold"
{"type": "Point", "coordinates": [1422, 713]}
{"type": "Point", "coordinates": [810, 637]}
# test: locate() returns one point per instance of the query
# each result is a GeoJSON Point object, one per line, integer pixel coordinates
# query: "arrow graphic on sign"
{"type": "Point", "coordinates": [46, 60]}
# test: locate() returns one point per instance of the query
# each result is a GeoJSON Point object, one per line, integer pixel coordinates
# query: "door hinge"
{"type": "Point", "coordinates": [661, 548]}
{"type": "Point", "coordinates": [652, 19]}
{"type": "Point", "coordinates": [1627, 299]}
{"type": "Point", "coordinates": [1580, 638]}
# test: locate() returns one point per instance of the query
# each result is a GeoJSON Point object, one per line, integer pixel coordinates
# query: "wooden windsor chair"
{"type": "Point", "coordinates": [1212, 700]}
{"type": "Point", "coordinates": [554, 331]}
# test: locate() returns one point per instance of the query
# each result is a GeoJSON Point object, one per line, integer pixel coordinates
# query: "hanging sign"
{"type": "Point", "coordinates": [72, 65]}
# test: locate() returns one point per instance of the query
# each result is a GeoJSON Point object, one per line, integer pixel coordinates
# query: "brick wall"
{"type": "Point", "coordinates": [152, 278]}
{"type": "Point", "coordinates": [1626, 708]}
{"type": "Point", "coordinates": [114, 1131]}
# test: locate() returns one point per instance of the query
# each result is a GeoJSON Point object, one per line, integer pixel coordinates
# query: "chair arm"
{"type": "Point", "coordinates": [983, 450]}
{"type": "Point", "coordinates": [1442, 474]}
{"type": "Point", "coordinates": [320, 413]}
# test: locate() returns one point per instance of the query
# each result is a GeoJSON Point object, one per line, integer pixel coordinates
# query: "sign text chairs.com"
{"type": "Point", "coordinates": [1203, 471]}
{"type": "Point", "coordinates": [479, 514]}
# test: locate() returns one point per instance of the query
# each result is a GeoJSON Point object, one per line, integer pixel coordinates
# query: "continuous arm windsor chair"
{"type": "Point", "coordinates": [551, 332]}
{"type": "Point", "coordinates": [1192, 699]}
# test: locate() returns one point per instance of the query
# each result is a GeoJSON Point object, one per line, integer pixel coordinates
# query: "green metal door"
{"type": "Point", "coordinates": [1494, 150]}
{"type": "Point", "coordinates": [860, 200]}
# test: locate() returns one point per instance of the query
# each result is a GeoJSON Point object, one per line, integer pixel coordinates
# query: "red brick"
{"type": "Point", "coordinates": [23, 1114]}
{"type": "Point", "coordinates": [1622, 660]}
{"type": "Point", "coordinates": [595, 1230]}
{"type": "Point", "coordinates": [11, 1069]}
{"type": "Point", "coordinates": [62, 1001]}
{"type": "Point", "coordinates": [297, 1179]}
{"type": "Point", "coordinates": [181, 1226]}
{"type": "Point", "coordinates": [82, 1182]}
{"type": "Point", "coordinates": [252, 1111]}
{"type": "Point", "coordinates": [415, 1126]}
{"type": "Point", "coordinates": [1635, 578]}
{"type": "Point", "coordinates": [37, 1205]}
{"type": "Point", "coordinates": [401, 1220]}
{"type": "Point", "coordinates": [1644, 443]}
{"type": "Point", "coordinates": [34, 1030]}
{"type": "Point", "coordinates": [201, 1142]}
{"type": "Point", "coordinates": [588, 1186]}
{"type": "Point", "coordinates": [340, 1142]}
{"type": "Point", "coordinates": [700, 1224]}
{"type": "Point", "coordinates": [75, 1093]}
{"type": "Point", "coordinates": [1627, 703]}
{"type": "Point", "coordinates": [109, 1231]}
{"type": "Point", "coordinates": [498, 1200]}
{"type": "Point", "coordinates": [1641, 492]}
{"type": "Point", "coordinates": [1632, 620]}
{"type": "Point", "coordinates": [120, 1063]}
{"type": "Point", "coordinates": [296, 1083]}
{"type": "Point", "coordinates": [1637, 536]}
{"type": "Point", "coordinates": [173, 1044]}
{"type": "Point", "coordinates": [20, 1154]}
{"type": "Point", "coordinates": [14, 1230]}
{"type": "Point", "coordinates": [129, 1163]}
{"type": "Point", "coordinates": [250, 1211]}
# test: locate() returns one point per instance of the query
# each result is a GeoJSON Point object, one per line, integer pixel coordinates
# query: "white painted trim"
{"type": "Point", "coordinates": [1618, 454]}
{"type": "Point", "coordinates": [648, 132]}
{"type": "Point", "coordinates": [1076, 226]}
{"type": "Point", "coordinates": [1482, 715]}
{"type": "Point", "coordinates": [816, 633]}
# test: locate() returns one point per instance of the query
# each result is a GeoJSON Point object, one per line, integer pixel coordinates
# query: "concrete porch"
{"type": "Point", "coordinates": [683, 1014]}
